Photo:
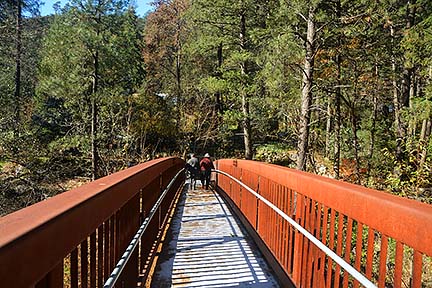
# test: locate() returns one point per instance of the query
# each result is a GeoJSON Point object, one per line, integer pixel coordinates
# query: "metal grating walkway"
{"type": "Point", "coordinates": [206, 247]}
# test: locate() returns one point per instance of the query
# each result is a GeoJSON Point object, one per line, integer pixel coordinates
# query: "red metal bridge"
{"type": "Point", "coordinates": [313, 231]}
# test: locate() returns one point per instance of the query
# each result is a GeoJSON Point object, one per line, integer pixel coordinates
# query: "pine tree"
{"type": "Point", "coordinates": [20, 31]}
{"type": "Point", "coordinates": [229, 29]}
{"type": "Point", "coordinates": [99, 65]}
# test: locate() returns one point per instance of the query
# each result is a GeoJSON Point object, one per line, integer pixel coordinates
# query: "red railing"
{"type": "Point", "coordinates": [77, 237]}
{"type": "Point", "coordinates": [385, 237]}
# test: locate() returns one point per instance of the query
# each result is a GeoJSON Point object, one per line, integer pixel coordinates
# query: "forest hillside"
{"type": "Point", "coordinates": [338, 88]}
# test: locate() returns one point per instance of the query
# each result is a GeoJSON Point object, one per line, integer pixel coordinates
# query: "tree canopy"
{"type": "Point", "coordinates": [340, 88]}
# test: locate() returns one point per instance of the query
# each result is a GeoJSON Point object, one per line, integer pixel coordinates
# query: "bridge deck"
{"type": "Point", "coordinates": [207, 247]}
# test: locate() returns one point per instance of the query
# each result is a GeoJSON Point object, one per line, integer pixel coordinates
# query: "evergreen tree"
{"type": "Point", "coordinates": [230, 30]}
{"type": "Point", "coordinates": [100, 65]}
{"type": "Point", "coordinates": [19, 36]}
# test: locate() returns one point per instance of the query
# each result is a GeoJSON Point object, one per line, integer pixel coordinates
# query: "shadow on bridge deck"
{"type": "Point", "coordinates": [207, 247]}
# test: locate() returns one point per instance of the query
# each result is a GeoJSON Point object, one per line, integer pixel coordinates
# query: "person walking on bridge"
{"type": "Point", "coordinates": [192, 166]}
{"type": "Point", "coordinates": [206, 166]}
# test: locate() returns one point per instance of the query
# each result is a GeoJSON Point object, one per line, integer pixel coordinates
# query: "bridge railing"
{"type": "Point", "coordinates": [386, 238]}
{"type": "Point", "coordinates": [78, 236]}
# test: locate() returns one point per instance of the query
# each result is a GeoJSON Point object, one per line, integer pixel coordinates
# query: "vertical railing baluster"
{"type": "Point", "coordinates": [348, 250]}
{"type": "Point", "coordinates": [417, 270]}
{"type": "Point", "coordinates": [270, 234]}
{"type": "Point", "coordinates": [317, 252]}
{"type": "Point", "coordinates": [74, 268]}
{"type": "Point", "coordinates": [304, 241]}
{"type": "Point", "coordinates": [324, 240]}
{"type": "Point", "coordinates": [383, 262]}
{"type": "Point", "coordinates": [370, 252]}
{"type": "Point", "coordinates": [398, 265]}
{"type": "Point", "coordinates": [277, 238]}
{"type": "Point", "coordinates": [117, 252]}
{"type": "Point", "coordinates": [141, 250]}
{"type": "Point", "coordinates": [93, 260]}
{"type": "Point", "coordinates": [298, 242]}
{"type": "Point", "coordinates": [100, 254]}
{"type": "Point", "coordinates": [107, 243]}
{"type": "Point", "coordinates": [112, 243]}
{"type": "Point", "coordinates": [284, 229]}
{"type": "Point", "coordinates": [339, 244]}
{"type": "Point", "coordinates": [359, 250]}
{"type": "Point", "coordinates": [84, 263]}
{"type": "Point", "coordinates": [331, 246]}
{"type": "Point", "coordinates": [257, 208]}
{"type": "Point", "coordinates": [291, 233]}
{"type": "Point", "coordinates": [308, 246]}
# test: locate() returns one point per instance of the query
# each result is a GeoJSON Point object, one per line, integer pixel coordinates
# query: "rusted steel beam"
{"type": "Point", "coordinates": [33, 240]}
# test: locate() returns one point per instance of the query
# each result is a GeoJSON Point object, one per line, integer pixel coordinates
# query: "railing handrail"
{"type": "Point", "coordinates": [17, 224]}
{"type": "Point", "coordinates": [112, 279]}
{"type": "Point", "coordinates": [62, 222]}
{"type": "Point", "coordinates": [350, 269]}
{"type": "Point", "coordinates": [405, 220]}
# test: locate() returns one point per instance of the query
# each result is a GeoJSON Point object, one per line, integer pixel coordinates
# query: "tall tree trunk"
{"type": "Point", "coordinates": [424, 141]}
{"type": "Point", "coordinates": [245, 100]}
{"type": "Point", "coordinates": [396, 102]}
{"type": "Point", "coordinates": [178, 69]}
{"type": "Point", "coordinates": [94, 113]}
{"type": "Point", "coordinates": [337, 120]}
{"type": "Point", "coordinates": [374, 118]}
{"type": "Point", "coordinates": [328, 126]}
{"type": "Point", "coordinates": [246, 127]}
{"type": "Point", "coordinates": [218, 105]}
{"type": "Point", "coordinates": [94, 107]}
{"type": "Point", "coordinates": [337, 102]}
{"type": "Point", "coordinates": [425, 133]}
{"type": "Point", "coordinates": [306, 91]}
{"type": "Point", "coordinates": [18, 43]}
{"type": "Point", "coordinates": [407, 85]}
{"type": "Point", "coordinates": [408, 72]}
{"type": "Point", "coordinates": [178, 66]}
{"type": "Point", "coordinates": [354, 127]}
